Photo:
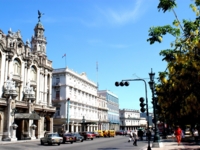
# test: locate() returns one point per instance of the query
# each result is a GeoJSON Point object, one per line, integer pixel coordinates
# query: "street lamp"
{"type": "Point", "coordinates": [68, 101]}
{"type": "Point", "coordinates": [152, 87]}
{"type": "Point", "coordinates": [126, 83]}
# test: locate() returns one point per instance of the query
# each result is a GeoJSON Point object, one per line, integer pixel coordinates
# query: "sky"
{"type": "Point", "coordinates": [110, 35]}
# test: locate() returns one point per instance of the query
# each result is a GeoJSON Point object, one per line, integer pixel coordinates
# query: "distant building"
{"type": "Point", "coordinates": [113, 108]}
{"type": "Point", "coordinates": [78, 106]}
{"type": "Point", "coordinates": [144, 115]}
{"type": "Point", "coordinates": [130, 119]}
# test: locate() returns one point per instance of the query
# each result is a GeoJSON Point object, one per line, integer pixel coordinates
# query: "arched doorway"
{"type": "Point", "coordinates": [47, 123]}
{"type": "Point", "coordinates": [19, 132]}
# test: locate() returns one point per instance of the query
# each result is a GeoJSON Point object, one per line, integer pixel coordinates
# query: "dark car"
{"type": "Point", "coordinates": [120, 132]}
{"type": "Point", "coordinates": [88, 135]}
{"type": "Point", "coordinates": [68, 137]}
{"type": "Point", "coordinates": [78, 137]}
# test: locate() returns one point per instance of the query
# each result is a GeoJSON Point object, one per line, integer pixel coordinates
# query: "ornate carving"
{"type": "Point", "coordinates": [9, 88]}
{"type": "Point", "coordinates": [29, 93]}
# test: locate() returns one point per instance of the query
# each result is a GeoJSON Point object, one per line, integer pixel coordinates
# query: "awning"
{"type": "Point", "coordinates": [88, 123]}
{"type": "Point", "coordinates": [27, 116]}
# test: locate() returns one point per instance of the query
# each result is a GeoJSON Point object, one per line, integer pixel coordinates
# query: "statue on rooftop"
{"type": "Point", "coordinates": [39, 15]}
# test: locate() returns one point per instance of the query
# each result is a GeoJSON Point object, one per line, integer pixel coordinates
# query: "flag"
{"type": "Point", "coordinates": [64, 55]}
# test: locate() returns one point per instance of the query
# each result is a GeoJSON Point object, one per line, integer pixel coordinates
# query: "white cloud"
{"type": "Point", "coordinates": [127, 13]}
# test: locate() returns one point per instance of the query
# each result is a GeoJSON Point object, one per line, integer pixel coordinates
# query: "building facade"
{"type": "Point", "coordinates": [79, 107]}
{"type": "Point", "coordinates": [113, 109]}
{"type": "Point", "coordinates": [26, 110]}
{"type": "Point", "coordinates": [130, 119]}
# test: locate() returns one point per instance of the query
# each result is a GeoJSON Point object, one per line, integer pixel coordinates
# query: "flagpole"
{"type": "Point", "coordinates": [65, 61]}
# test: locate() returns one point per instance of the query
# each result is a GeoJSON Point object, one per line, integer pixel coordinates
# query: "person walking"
{"type": "Point", "coordinates": [178, 134]}
{"type": "Point", "coordinates": [131, 136]}
{"type": "Point", "coordinates": [196, 135]}
{"type": "Point", "coordinates": [135, 136]}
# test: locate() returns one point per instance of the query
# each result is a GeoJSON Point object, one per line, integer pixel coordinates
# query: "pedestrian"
{"type": "Point", "coordinates": [135, 136]}
{"type": "Point", "coordinates": [178, 134]}
{"type": "Point", "coordinates": [148, 135]}
{"type": "Point", "coordinates": [196, 135]}
{"type": "Point", "coordinates": [131, 136]}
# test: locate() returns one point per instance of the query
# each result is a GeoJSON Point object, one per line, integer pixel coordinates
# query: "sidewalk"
{"type": "Point", "coordinates": [169, 144]}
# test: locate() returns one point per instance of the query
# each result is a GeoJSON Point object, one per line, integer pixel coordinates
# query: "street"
{"type": "Point", "coordinates": [118, 142]}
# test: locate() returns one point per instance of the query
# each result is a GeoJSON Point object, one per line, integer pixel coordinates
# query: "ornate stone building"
{"type": "Point", "coordinates": [26, 110]}
{"type": "Point", "coordinates": [130, 119]}
{"type": "Point", "coordinates": [78, 106]}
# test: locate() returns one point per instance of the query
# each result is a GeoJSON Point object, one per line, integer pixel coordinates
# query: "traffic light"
{"type": "Point", "coordinates": [142, 104]}
{"type": "Point", "coordinates": [122, 83]}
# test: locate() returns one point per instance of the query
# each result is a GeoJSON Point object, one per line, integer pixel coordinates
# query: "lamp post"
{"type": "Point", "coordinates": [68, 101]}
{"type": "Point", "coordinates": [152, 87]}
{"type": "Point", "coordinates": [125, 82]}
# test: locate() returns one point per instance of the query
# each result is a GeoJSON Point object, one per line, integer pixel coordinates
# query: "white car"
{"type": "Point", "coordinates": [51, 138]}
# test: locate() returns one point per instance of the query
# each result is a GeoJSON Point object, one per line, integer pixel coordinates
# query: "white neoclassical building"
{"type": "Point", "coordinates": [26, 110]}
{"type": "Point", "coordinates": [130, 119]}
{"type": "Point", "coordinates": [78, 106]}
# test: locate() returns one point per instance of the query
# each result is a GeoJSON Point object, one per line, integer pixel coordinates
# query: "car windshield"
{"type": "Point", "coordinates": [68, 134]}
{"type": "Point", "coordinates": [53, 135]}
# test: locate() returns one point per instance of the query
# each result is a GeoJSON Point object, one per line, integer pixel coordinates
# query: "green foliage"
{"type": "Point", "coordinates": [165, 5]}
{"type": "Point", "coordinates": [178, 86]}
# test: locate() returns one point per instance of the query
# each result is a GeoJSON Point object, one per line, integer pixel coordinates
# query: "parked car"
{"type": "Point", "coordinates": [68, 137]}
{"type": "Point", "coordinates": [100, 133]}
{"type": "Point", "coordinates": [120, 132]}
{"type": "Point", "coordinates": [88, 135]}
{"type": "Point", "coordinates": [96, 133]}
{"type": "Point", "coordinates": [105, 133]}
{"type": "Point", "coordinates": [78, 137]}
{"type": "Point", "coordinates": [51, 138]}
{"type": "Point", "coordinates": [111, 133]}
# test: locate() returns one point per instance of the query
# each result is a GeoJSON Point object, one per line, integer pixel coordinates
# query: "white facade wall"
{"type": "Point", "coordinates": [84, 101]}
{"type": "Point", "coordinates": [130, 119]}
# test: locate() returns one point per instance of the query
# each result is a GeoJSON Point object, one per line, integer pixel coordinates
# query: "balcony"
{"type": "Point", "coordinates": [56, 84]}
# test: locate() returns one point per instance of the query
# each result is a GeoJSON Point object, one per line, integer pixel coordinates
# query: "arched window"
{"type": "Point", "coordinates": [33, 74]}
{"type": "Point", "coordinates": [17, 67]}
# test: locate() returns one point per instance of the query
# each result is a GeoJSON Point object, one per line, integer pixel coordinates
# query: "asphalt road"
{"type": "Point", "coordinates": [116, 143]}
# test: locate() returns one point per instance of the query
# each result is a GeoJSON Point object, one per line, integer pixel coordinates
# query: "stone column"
{"type": "Point", "coordinates": [50, 91]}
{"type": "Point", "coordinates": [30, 122]}
{"type": "Point", "coordinates": [6, 70]}
{"type": "Point", "coordinates": [45, 87]}
{"type": "Point", "coordinates": [51, 124]}
{"type": "Point", "coordinates": [39, 128]}
{"type": "Point", "coordinates": [77, 127]}
{"type": "Point", "coordinates": [3, 64]}
{"type": "Point", "coordinates": [72, 126]}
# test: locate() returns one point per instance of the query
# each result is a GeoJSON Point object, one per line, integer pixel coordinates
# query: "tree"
{"type": "Point", "coordinates": [178, 86]}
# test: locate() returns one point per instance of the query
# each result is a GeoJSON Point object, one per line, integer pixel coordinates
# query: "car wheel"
{"type": "Point", "coordinates": [58, 144]}
{"type": "Point", "coordinates": [81, 140]}
{"type": "Point", "coordinates": [63, 142]}
{"type": "Point", "coordinates": [71, 142]}
{"type": "Point", "coordinates": [91, 138]}
{"type": "Point", "coordinates": [42, 143]}
{"type": "Point", "coordinates": [49, 143]}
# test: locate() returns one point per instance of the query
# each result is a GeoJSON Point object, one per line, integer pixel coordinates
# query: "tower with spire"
{"type": "Point", "coordinates": [38, 41]}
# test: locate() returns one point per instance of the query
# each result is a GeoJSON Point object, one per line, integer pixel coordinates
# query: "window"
{"type": "Point", "coordinates": [57, 80]}
{"type": "Point", "coordinates": [33, 74]}
{"type": "Point", "coordinates": [58, 111]}
{"type": "Point", "coordinates": [17, 67]}
{"type": "Point", "coordinates": [57, 94]}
